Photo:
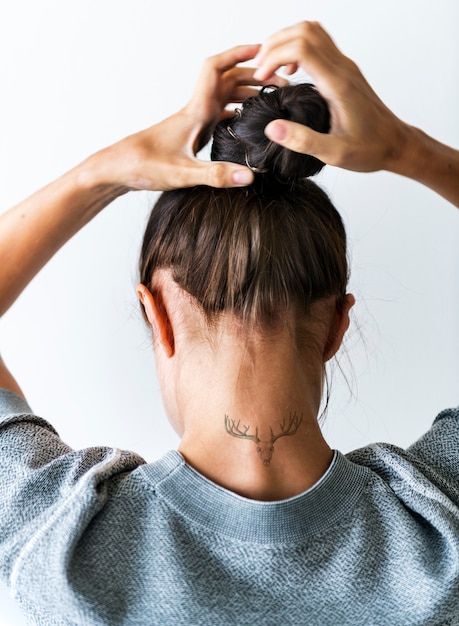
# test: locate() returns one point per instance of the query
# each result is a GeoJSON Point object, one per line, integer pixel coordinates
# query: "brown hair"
{"type": "Point", "coordinates": [259, 251]}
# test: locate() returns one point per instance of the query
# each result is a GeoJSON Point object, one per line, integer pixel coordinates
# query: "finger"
{"type": "Point", "coordinates": [245, 76]}
{"type": "Point", "coordinates": [227, 113]}
{"type": "Point", "coordinates": [291, 68]}
{"type": "Point", "coordinates": [303, 139]}
{"type": "Point", "coordinates": [229, 58]}
{"type": "Point", "coordinates": [320, 65]}
{"type": "Point", "coordinates": [287, 55]}
{"type": "Point", "coordinates": [242, 93]}
{"type": "Point", "coordinates": [264, 58]}
{"type": "Point", "coordinates": [307, 45]}
{"type": "Point", "coordinates": [213, 69]}
{"type": "Point", "coordinates": [301, 30]}
{"type": "Point", "coordinates": [217, 174]}
{"type": "Point", "coordinates": [244, 90]}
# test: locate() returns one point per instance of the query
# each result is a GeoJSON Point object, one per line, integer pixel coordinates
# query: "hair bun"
{"type": "Point", "coordinates": [241, 139]}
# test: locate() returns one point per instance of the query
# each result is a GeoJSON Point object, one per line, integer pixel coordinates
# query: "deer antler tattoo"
{"type": "Point", "coordinates": [265, 447]}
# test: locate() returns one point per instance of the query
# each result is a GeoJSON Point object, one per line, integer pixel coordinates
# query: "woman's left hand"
{"type": "Point", "coordinates": [164, 156]}
{"type": "Point", "coordinates": [159, 158]}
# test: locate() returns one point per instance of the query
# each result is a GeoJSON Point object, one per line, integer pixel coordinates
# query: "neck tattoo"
{"type": "Point", "coordinates": [265, 447]}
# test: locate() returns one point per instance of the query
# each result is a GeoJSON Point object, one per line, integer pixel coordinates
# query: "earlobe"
{"type": "Point", "coordinates": [338, 328]}
{"type": "Point", "coordinates": [156, 313]}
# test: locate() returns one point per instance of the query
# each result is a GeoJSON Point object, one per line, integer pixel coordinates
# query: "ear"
{"type": "Point", "coordinates": [339, 327]}
{"type": "Point", "coordinates": [156, 312]}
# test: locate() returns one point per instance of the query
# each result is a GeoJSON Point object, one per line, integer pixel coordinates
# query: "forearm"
{"type": "Point", "coordinates": [34, 230]}
{"type": "Point", "coordinates": [429, 162]}
{"type": "Point", "coordinates": [160, 157]}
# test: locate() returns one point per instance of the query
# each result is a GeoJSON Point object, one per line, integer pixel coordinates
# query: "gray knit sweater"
{"type": "Point", "coordinates": [99, 537]}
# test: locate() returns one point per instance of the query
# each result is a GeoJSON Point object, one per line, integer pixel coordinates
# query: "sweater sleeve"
{"type": "Point", "coordinates": [438, 450]}
{"type": "Point", "coordinates": [430, 466]}
{"type": "Point", "coordinates": [44, 483]}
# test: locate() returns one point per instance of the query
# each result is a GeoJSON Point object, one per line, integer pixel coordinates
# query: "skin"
{"type": "Point", "coordinates": [365, 135]}
{"type": "Point", "coordinates": [256, 378]}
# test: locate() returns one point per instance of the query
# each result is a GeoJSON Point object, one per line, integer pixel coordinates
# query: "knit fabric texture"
{"type": "Point", "coordinates": [99, 537]}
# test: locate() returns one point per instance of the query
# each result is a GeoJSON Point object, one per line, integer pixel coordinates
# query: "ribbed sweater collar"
{"type": "Point", "coordinates": [210, 506]}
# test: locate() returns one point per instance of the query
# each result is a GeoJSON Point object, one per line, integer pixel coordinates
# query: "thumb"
{"type": "Point", "coordinates": [299, 138]}
{"type": "Point", "coordinates": [222, 174]}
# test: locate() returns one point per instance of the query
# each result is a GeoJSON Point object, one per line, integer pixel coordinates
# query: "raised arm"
{"type": "Point", "coordinates": [159, 158]}
{"type": "Point", "coordinates": [365, 135]}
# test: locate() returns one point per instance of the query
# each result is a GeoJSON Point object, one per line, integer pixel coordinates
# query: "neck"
{"type": "Point", "coordinates": [252, 426]}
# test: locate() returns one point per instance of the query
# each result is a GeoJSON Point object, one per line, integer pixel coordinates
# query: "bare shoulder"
{"type": "Point", "coordinates": [7, 380]}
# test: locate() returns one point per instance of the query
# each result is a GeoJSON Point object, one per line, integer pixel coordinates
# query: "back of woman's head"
{"type": "Point", "coordinates": [278, 245]}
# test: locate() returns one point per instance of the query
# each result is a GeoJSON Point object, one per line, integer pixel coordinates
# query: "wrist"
{"type": "Point", "coordinates": [96, 174]}
{"type": "Point", "coordinates": [406, 154]}
{"type": "Point", "coordinates": [426, 160]}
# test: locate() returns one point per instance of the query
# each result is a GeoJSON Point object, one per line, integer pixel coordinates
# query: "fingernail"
{"type": "Point", "coordinates": [258, 74]}
{"type": "Point", "coordinates": [242, 177]}
{"type": "Point", "coordinates": [276, 130]}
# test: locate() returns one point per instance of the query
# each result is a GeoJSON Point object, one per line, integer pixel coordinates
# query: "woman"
{"type": "Point", "coordinates": [254, 519]}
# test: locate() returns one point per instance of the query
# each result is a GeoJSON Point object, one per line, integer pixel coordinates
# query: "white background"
{"type": "Point", "coordinates": [75, 76]}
